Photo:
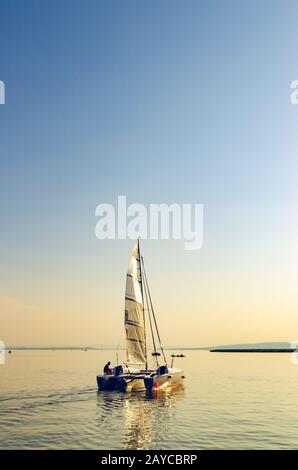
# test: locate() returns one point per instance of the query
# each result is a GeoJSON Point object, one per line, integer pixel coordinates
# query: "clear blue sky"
{"type": "Point", "coordinates": [164, 101]}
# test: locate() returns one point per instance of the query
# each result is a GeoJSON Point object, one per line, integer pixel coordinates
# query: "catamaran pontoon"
{"type": "Point", "coordinates": [135, 374]}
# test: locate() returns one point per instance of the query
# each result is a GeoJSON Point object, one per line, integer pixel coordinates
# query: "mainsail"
{"type": "Point", "coordinates": [134, 311]}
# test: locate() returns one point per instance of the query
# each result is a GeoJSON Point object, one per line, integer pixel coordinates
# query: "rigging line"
{"type": "Point", "coordinates": [120, 339]}
{"type": "Point", "coordinates": [150, 322]}
{"type": "Point", "coordinates": [152, 309]}
{"type": "Point", "coordinates": [141, 276]}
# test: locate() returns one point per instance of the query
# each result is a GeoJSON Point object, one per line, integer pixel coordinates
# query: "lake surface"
{"type": "Point", "coordinates": [49, 400]}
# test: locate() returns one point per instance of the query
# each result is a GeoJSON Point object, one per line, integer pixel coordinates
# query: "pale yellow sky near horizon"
{"type": "Point", "coordinates": [200, 304]}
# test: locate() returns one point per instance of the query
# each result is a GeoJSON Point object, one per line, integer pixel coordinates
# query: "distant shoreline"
{"type": "Point", "coordinates": [87, 348]}
{"type": "Point", "coordinates": [58, 348]}
{"type": "Point", "coordinates": [221, 349]}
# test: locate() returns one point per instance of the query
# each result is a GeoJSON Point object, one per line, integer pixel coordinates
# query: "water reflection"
{"type": "Point", "coordinates": [148, 418]}
{"type": "Point", "coordinates": [142, 420]}
{"type": "Point", "coordinates": [137, 413]}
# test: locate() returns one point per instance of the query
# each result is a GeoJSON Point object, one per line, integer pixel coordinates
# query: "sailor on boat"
{"type": "Point", "coordinates": [106, 369]}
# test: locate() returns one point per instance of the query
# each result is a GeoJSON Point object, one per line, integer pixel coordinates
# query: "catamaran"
{"type": "Point", "coordinates": [135, 374]}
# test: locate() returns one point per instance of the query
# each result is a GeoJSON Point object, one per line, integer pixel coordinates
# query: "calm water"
{"type": "Point", "coordinates": [48, 399]}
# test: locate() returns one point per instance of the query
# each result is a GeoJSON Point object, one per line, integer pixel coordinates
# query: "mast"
{"type": "Point", "coordinates": [142, 290]}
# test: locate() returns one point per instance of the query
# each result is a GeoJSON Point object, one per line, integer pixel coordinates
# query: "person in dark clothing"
{"type": "Point", "coordinates": [106, 369]}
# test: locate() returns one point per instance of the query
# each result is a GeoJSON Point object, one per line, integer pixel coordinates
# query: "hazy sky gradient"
{"type": "Point", "coordinates": [164, 101]}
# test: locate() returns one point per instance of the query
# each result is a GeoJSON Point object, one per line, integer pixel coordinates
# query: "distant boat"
{"type": "Point", "coordinates": [135, 373]}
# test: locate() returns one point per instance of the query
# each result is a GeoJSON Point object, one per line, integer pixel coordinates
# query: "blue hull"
{"type": "Point", "coordinates": [148, 381]}
{"type": "Point", "coordinates": [111, 383]}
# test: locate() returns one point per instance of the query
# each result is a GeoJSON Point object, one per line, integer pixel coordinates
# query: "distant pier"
{"type": "Point", "coordinates": [253, 350]}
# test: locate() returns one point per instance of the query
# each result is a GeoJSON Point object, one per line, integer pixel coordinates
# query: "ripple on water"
{"type": "Point", "coordinates": [228, 403]}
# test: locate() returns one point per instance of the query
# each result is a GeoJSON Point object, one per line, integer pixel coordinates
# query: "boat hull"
{"type": "Point", "coordinates": [171, 379]}
{"type": "Point", "coordinates": [121, 383]}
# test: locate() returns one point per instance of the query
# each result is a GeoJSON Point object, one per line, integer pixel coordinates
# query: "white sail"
{"type": "Point", "coordinates": [134, 311]}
